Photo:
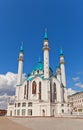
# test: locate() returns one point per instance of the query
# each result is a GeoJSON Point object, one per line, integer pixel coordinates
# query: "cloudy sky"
{"type": "Point", "coordinates": [26, 20]}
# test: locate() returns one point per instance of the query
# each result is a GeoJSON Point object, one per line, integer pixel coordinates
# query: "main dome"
{"type": "Point", "coordinates": [39, 66]}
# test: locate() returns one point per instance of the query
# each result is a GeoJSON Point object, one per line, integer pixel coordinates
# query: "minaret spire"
{"type": "Point", "coordinates": [62, 66]}
{"type": "Point", "coordinates": [20, 65]}
{"type": "Point", "coordinates": [46, 50]}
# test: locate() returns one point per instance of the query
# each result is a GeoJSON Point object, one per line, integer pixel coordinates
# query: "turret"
{"type": "Point", "coordinates": [62, 67]}
{"type": "Point", "coordinates": [46, 50]}
{"type": "Point", "coordinates": [20, 66]}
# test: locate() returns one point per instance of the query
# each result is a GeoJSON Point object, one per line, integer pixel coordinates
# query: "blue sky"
{"type": "Point", "coordinates": [26, 20]}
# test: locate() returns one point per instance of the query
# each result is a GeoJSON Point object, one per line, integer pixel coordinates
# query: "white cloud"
{"type": "Point", "coordinates": [4, 100]}
{"type": "Point", "coordinates": [8, 80]}
{"type": "Point", "coordinates": [7, 88]}
{"type": "Point", "coordinates": [70, 91]}
{"type": "Point", "coordinates": [75, 78]}
{"type": "Point", "coordinates": [79, 84]}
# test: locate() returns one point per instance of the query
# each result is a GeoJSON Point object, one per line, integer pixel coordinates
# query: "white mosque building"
{"type": "Point", "coordinates": [42, 93]}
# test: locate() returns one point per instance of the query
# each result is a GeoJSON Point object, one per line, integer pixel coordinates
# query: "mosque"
{"type": "Point", "coordinates": [42, 93]}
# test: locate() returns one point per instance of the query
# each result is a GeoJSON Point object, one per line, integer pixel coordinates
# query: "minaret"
{"type": "Point", "coordinates": [58, 73]}
{"type": "Point", "coordinates": [20, 66]}
{"type": "Point", "coordinates": [46, 50]}
{"type": "Point", "coordinates": [62, 67]}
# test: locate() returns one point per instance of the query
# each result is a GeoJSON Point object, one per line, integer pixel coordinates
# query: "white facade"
{"type": "Point", "coordinates": [42, 93]}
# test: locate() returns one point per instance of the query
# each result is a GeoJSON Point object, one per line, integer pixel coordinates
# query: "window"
{"type": "Point", "coordinates": [37, 71]}
{"type": "Point", "coordinates": [18, 104]}
{"type": "Point", "coordinates": [23, 104]}
{"type": "Point", "coordinates": [18, 112]}
{"type": "Point", "coordinates": [24, 91]}
{"type": "Point", "coordinates": [62, 105]}
{"type": "Point", "coordinates": [27, 88]}
{"type": "Point", "coordinates": [30, 112]}
{"type": "Point", "coordinates": [50, 92]}
{"type": "Point", "coordinates": [30, 104]}
{"type": "Point", "coordinates": [62, 110]}
{"type": "Point", "coordinates": [23, 112]}
{"type": "Point", "coordinates": [15, 104]}
{"type": "Point", "coordinates": [68, 105]}
{"type": "Point", "coordinates": [34, 87]}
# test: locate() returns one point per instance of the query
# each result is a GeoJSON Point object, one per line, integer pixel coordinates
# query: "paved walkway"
{"type": "Point", "coordinates": [50, 123]}
{"type": "Point", "coordinates": [6, 124]}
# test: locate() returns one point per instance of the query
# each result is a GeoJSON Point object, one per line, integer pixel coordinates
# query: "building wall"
{"type": "Point", "coordinates": [76, 102]}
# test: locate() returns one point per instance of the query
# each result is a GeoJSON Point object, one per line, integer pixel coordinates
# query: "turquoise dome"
{"type": "Point", "coordinates": [39, 66]}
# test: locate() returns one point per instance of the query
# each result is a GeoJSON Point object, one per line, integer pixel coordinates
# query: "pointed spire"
{"type": "Point", "coordinates": [61, 52]}
{"type": "Point", "coordinates": [46, 35]}
{"type": "Point", "coordinates": [21, 48]}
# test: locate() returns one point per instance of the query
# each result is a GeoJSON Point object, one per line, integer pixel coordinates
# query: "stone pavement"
{"type": "Point", "coordinates": [50, 123]}
{"type": "Point", "coordinates": [6, 124]}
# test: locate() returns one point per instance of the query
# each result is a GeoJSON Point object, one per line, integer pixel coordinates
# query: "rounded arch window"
{"type": "Point", "coordinates": [34, 87]}
{"type": "Point", "coordinates": [37, 71]}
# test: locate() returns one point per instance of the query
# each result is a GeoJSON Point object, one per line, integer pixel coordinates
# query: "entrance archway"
{"type": "Point", "coordinates": [43, 112]}
{"type": "Point", "coordinates": [53, 112]}
{"type": "Point", "coordinates": [10, 113]}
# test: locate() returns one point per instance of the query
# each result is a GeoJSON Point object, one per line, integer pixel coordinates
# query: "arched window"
{"type": "Point", "coordinates": [37, 71]}
{"type": "Point", "coordinates": [27, 88]}
{"type": "Point", "coordinates": [39, 90]}
{"type": "Point", "coordinates": [55, 93]}
{"type": "Point", "coordinates": [23, 104]}
{"type": "Point", "coordinates": [34, 87]}
{"type": "Point", "coordinates": [30, 104]}
{"type": "Point", "coordinates": [24, 91]}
